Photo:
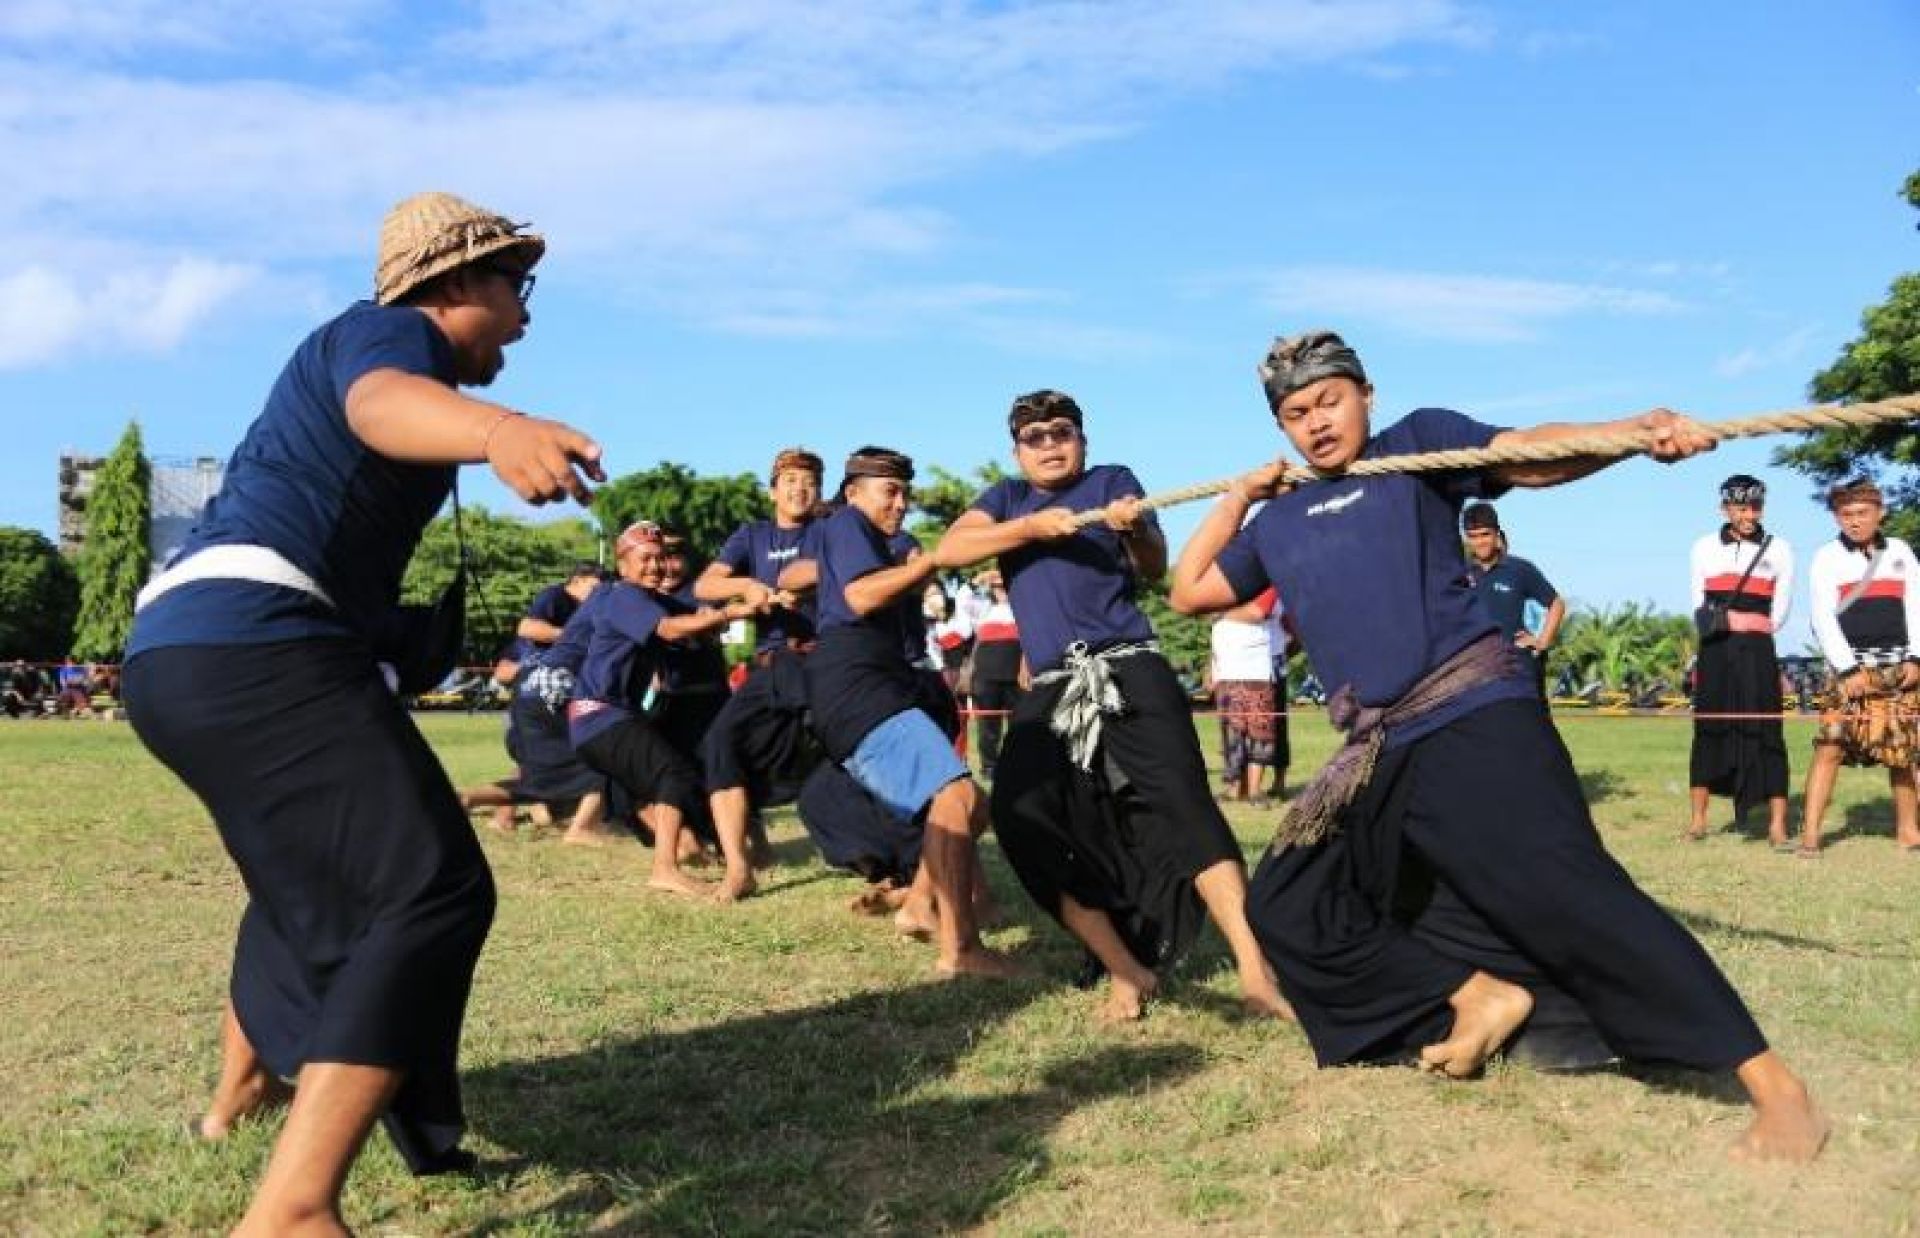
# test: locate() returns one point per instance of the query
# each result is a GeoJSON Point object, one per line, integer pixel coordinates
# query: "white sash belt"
{"type": "Point", "coordinates": [255, 563]}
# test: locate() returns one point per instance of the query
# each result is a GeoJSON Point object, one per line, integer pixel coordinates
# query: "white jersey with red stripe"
{"type": "Point", "coordinates": [1717, 566]}
{"type": "Point", "coordinates": [1879, 624]}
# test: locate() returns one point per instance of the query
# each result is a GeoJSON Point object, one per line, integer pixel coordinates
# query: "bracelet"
{"type": "Point", "coordinates": [486, 440]}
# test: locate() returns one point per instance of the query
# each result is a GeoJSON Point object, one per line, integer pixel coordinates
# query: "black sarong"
{"type": "Point", "coordinates": [759, 740]}
{"type": "Point", "coordinates": [369, 897]}
{"type": "Point", "coordinates": [1491, 805]}
{"type": "Point", "coordinates": [1129, 838]}
{"type": "Point", "coordinates": [1746, 760]}
{"type": "Point", "coordinates": [550, 771]}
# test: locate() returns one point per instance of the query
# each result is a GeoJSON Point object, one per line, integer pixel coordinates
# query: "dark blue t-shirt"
{"type": "Point", "coordinates": [302, 484]}
{"type": "Point", "coordinates": [571, 649]}
{"type": "Point", "coordinates": [622, 656]}
{"type": "Point", "coordinates": [1078, 588]}
{"type": "Point", "coordinates": [552, 604]}
{"type": "Point", "coordinates": [859, 675]}
{"type": "Point", "coordinates": [762, 549]}
{"type": "Point", "coordinates": [1506, 588]}
{"type": "Point", "coordinates": [1373, 574]}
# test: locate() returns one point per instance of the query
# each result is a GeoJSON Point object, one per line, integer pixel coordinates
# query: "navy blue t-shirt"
{"type": "Point", "coordinates": [762, 549]}
{"type": "Point", "coordinates": [571, 649]}
{"type": "Point", "coordinates": [302, 484]}
{"type": "Point", "coordinates": [622, 655]}
{"type": "Point", "coordinates": [859, 676]}
{"type": "Point", "coordinates": [1078, 588]}
{"type": "Point", "coordinates": [1373, 574]}
{"type": "Point", "coordinates": [1506, 588]}
{"type": "Point", "coordinates": [552, 604]}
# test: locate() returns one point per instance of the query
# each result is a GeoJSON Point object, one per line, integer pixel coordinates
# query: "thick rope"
{"type": "Point", "coordinates": [1603, 446]}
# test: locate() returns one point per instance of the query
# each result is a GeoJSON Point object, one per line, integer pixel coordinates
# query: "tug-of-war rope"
{"type": "Point", "coordinates": [1590, 446]}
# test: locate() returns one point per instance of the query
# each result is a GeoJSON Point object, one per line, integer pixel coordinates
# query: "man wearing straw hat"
{"type": "Point", "coordinates": [254, 674]}
{"type": "Point", "coordinates": [1514, 898]}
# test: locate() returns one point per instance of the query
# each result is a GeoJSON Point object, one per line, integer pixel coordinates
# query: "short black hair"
{"type": "Point", "coordinates": [1480, 516]}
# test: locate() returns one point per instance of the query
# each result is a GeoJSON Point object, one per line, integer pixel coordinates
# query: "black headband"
{"type": "Point", "coordinates": [1300, 360]}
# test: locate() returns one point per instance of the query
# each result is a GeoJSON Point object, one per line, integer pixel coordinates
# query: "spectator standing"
{"type": "Point", "coordinates": [1739, 750]}
{"type": "Point", "coordinates": [1865, 588]}
{"type": "Point", "coordinates": [1241, 672]}
{"type": "Point", "coordinates": [1509, 586]}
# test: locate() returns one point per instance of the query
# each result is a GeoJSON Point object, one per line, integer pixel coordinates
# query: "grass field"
{"type": "Point", "coordinates": [636, 1064]}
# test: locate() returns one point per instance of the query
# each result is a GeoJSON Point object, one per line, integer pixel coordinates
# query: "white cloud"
{"type": "Point", "coordinates": [1475, 308]}
{"type": "Point", "coordinates": [668, 147]}
{"type": "Point", "coordinates": [46, 313]}
{"type": "Point", "coordinates": [1787, 350]}
{"type": "Point", "coordinates": [101, 29]}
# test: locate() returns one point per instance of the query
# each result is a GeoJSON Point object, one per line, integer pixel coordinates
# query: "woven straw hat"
{"type": "Point", "coordinates": [430, 234]}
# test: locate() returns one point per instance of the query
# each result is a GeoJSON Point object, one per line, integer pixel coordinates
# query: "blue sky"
{"type": "Point", "coordinates": [877, 222]}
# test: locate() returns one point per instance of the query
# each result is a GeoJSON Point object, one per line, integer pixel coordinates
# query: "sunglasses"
{"type": "Point", "coordinates": [521, 280]}
{"type": "Point", "coordinates": [1041, 436]}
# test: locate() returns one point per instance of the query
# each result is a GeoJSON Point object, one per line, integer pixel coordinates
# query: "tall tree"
{"type": "Point", "coordinates": [115, 558]}
{"type": "Point", "coordinates": [39, 596]}
{"type": "Point", "coordinates": [1883, 361]}
{"type": "Point", "coordinates": [705, 509]}
{"type": "Point", "coordinates": [513, 559]}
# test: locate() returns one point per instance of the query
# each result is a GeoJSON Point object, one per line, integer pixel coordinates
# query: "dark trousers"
{"type": "Point", "coordinates": [369, 897]}
{"type": "Point", "coordinates": [1491, 806]}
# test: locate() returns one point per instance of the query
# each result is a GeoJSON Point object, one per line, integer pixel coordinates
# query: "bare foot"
{"type": "Point", "coordinates": [587, 836]}
{"type": "Point", "coordinates": [1127, 998]}
{"type": "Point", "coordinates": [1260, 997]}
{"type": "Point", "coordinates": [916, 919]}
{"type": "Point", "coordinates": [735, 887]}
{"type": "Point", "coordinates": [877, 900]}
{"type": "Point", "coordinates": [1787, 1125]}
{"type": "Point", "coordinates": [677, 882]}
{"type": "Point", "coordinates": [1485, 1012]}
{"type": "Point", "coordinates": [257, 1094]}
{"type": "Point", "coordinates": [978, 961]}
{"type": "Point", "coordinates": [1268, 1006]}
{"type": "Point", "coordinates": [502, 820]}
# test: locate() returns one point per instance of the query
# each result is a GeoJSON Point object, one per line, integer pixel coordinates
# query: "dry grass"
{"type": "Point", "coordinates": [639, 1065]}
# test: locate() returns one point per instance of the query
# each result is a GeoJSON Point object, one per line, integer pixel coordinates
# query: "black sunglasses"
{"type": "Point", "coordinates": [521, 280]}
{"type": "Point", "coordinates": [1041, 435]}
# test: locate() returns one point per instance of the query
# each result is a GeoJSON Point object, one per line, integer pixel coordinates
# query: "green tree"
{"type": "Point", "coordinates": [705, 509]}
{"type": "Point", "coordinates": [115, 558]}
{"type": "Point", "coordinates": [1186, 640]}
{"type": "Point", "coordinates": [513, 559]}
{"type": "Point", "coordinates": [39, 596]}
{"type": "Point", "coordinates": [945, 498]}
{"type": "Point", "coordinates": [1625, 648]}
{"type": "Point", "coordinates": [1883, 361]}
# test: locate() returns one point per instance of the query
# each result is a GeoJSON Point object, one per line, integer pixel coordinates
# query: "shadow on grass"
{"type": "Point", "coordinates": [1700, 922]}
{"type": "Point", "coordinates": [1873, 819]}
{"type": "Point", "coordinates": [832, 1119]}
{"type": "Point", "coordinates": [1601, 785]}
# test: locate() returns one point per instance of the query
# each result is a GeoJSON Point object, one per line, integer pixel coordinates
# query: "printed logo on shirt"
{"type": "Point", "coordinates": [1333, 507]}
{"type": "Point", "coordinates": [780, 556]}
